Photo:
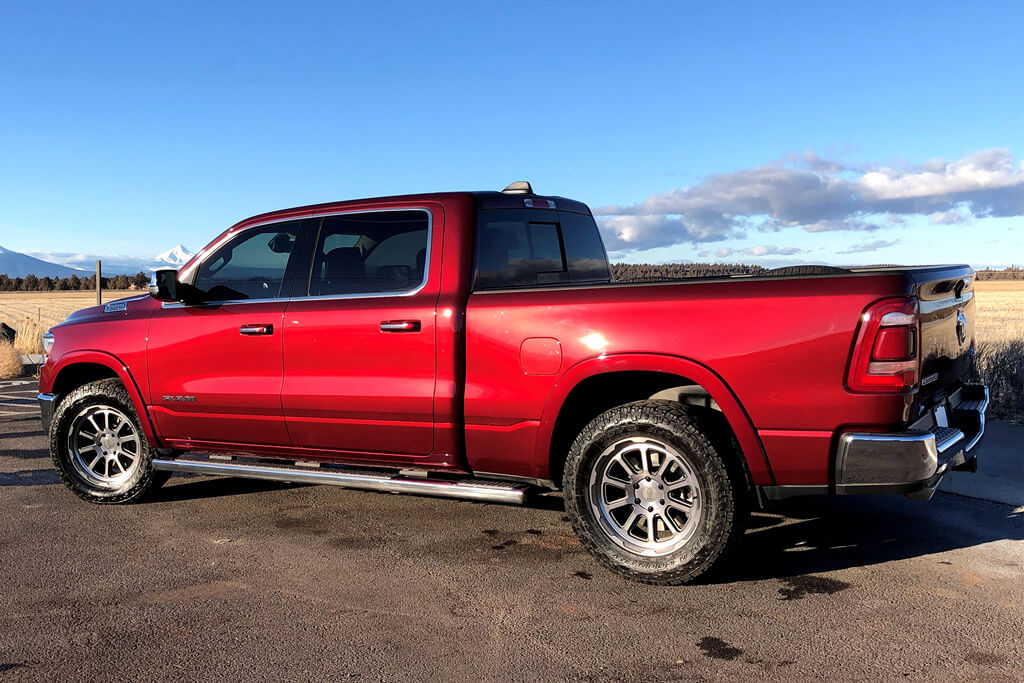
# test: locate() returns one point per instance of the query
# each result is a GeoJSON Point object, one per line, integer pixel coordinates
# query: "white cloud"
{"type": "Point", "coordinates": [950, 217]}
{"type": "Point", "coordinates": [818, 195]}
{"type": "Point", "coordinates": [869, 246]}
{"type": "Point", "coordinates": [765, 250]}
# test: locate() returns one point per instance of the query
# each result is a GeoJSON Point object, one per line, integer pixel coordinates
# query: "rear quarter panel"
{"type": "Point", "coordinates": [781, 347]}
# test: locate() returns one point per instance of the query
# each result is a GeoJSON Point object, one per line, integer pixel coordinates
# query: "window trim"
{"type": "Point", "coordinates": [213, 249]}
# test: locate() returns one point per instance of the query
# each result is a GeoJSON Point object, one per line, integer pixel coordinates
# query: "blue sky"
{"type": "Point", "coordinates": [729, 132]}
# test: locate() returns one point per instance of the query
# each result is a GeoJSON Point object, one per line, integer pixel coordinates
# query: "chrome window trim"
{"type": "Point", "coordinates": [208, 251]}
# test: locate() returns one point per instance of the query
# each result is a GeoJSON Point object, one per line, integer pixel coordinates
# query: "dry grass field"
{"type": "Point", "coordinates": [1000, 333]}
{"type": "Point", "coordinates": [1000, 344]}
{"type": "Point", "coordinates": [32, 313]}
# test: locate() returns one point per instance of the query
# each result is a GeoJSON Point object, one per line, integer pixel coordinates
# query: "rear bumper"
{"type": "Point", "coordinates": [914, 461]}
{"type": "Point", "coordinates": [911, 461]}
{"type": "Point", "coordinates": [45, 410]}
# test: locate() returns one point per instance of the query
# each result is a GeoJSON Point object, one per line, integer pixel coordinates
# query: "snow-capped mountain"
{"type": "Point", "coordinates": [177, 257]}
{"type": "Point", "coordinates": [113, 264]}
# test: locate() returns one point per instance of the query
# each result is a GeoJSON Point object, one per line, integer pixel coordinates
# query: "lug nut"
{"type": "Point", "coordinates": [637, 501]}
{"type": "Point", "coordinates": [650, 509]}
{"type": "Point", "coordinates": [660, 486]}
{"type": "Point", "coordinates": [661, 502]}
{"type": "Point", "coordinates": [648, 478]}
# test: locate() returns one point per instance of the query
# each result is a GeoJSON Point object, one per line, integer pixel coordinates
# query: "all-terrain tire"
{"type": "Point", "coordinates": [103, 398]}
{"type": "Point", "coordinates": [720, 484]}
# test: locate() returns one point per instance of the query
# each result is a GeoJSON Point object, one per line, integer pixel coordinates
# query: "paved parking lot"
{"type": "Point", "coordinates": [232, 578]}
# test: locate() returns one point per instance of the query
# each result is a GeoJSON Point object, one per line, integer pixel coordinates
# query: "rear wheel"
{"type": "Point", "coordinates": [98, 446]}
{"type": "Point", "coordinates": [650, 496]}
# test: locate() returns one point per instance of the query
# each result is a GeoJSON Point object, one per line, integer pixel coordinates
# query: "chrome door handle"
{"type": "Point", "coordinates": [254, 330]}
{"type": "Point", "coordinates": [400, 326]}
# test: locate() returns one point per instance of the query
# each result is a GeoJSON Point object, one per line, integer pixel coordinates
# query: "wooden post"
{"type": "Point", "coordinates": [99, 285]}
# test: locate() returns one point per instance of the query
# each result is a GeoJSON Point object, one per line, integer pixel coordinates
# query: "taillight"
{"type": "Point", "coordinates": [885, 354]}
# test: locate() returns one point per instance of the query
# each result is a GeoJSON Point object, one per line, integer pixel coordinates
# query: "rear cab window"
{"type": "Point", "coordinates": [537, 248]}
{"type": "Point", "coordinates": [376, 252]}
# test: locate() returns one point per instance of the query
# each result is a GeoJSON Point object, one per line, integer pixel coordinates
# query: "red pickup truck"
{"type": "Point", "coordinates": [473, 345]}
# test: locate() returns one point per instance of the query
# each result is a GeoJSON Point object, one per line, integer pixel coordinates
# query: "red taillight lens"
{"type": "Point", "coordinates": [893, 343]}
{"type": "Point", "coordinates": [884, 355]}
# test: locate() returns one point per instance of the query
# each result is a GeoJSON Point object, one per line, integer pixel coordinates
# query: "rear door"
{"type": "Point", "coordinates": [359, 342]}
{"type": "Point", "coordinates": [215, 368]}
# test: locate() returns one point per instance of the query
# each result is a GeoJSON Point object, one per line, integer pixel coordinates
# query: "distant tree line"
{"type": "Point", "coordinates": [647, 272]}
{"type": "Point", "coordinates": [1011, 273]}
{"type": "Point", "coordinates": [31, 283]}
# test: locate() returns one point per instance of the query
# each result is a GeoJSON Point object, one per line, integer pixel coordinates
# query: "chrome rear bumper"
{"type": "Point", "coordinates": [914, 461]}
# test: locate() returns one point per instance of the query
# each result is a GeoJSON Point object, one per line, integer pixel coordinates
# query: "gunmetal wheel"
{"type": "Point", "coordinates": [651, 496]}
{"type": "Point", "coordinates": [646, 496]}
{"type": "Point", "coordinates": [98, 446]}
{"type": "Point", "coordinates": [104, 445]}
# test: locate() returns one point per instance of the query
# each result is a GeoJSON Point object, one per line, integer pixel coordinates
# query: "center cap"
{"type": "Point", "coordinates": [649, 493]}
{"type": "Point", "coordinates": [108, 442]}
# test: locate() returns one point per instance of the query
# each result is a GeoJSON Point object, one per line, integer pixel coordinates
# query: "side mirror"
{"type": "Point", "coordinates": [164, 285]}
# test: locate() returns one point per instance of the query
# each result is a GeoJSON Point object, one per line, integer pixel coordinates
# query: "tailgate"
{"type": "Point", "coordinates": [946, 298]}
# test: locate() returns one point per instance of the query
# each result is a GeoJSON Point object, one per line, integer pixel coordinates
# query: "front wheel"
{"type": "Point", "coordinates": [650, 496]}
{"type": "Point", "coordinates": [99, 448]}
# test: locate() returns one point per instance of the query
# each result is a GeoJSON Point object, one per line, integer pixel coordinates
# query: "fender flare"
{"type": "Point", "coordinates": [732, 409]}
{"type": "Point", "coordinates": [118, 367]}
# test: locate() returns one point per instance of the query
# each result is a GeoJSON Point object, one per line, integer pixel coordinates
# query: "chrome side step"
{"type": "Point", "coordinates": [485, 491]}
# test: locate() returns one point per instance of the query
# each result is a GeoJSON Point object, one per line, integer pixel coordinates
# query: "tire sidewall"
{"type": "Point", "coordinates": [668, 423]}
{"type": "Point", "coordinates": [104, 393]}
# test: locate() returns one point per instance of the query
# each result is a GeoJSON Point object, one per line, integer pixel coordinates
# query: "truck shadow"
{"type": "Point", "coordinates": [814, 535]}
{"type": "Point", "coordinates": [184, 487]}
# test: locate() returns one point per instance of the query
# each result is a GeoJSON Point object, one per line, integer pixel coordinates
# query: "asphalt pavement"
{"type": "Point", "coordinates": [234, 579]}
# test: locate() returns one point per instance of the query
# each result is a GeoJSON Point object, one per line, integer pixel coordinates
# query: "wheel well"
{"type": "Point", "coordinates": [74, 376]}
{"type": "Point", "coordinates": [595, 395]}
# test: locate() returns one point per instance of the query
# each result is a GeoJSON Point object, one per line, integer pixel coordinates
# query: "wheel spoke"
{"type": "Point", "coordinates": [651, 527]}
{"type": "Point", "coordinates": [677, 486]}
{"type": "Point", "coordinates": [92, 465]}
{"type": "Point", "coordinates": [118, 424]}
{"type": "Point", "coordinates": [92, 420]}
{"type": "Point", "coordinates": [670, 522]}
{"type": "Point", "coordinates": [626, 464]}
{"type": "Point", "coordinates": [125, 440]}
{"type": "Point", "coordinates": [645, 459]}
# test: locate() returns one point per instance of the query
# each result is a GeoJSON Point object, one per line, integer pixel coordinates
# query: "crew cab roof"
{"type": "Point", "coordinates": [485, 199]}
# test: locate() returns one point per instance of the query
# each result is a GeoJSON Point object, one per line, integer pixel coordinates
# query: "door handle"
{"type": "Point", "coordinates": [254, 330]}
{"type": "Point", "coordinates": [400, 326]}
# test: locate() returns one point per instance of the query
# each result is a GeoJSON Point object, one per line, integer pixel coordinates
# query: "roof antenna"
{"type": "Point", "coordinates": [518, 187]}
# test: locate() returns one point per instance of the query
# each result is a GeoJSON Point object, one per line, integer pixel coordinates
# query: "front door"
{"type": "Point", "coordinates": [215, 368]}
{"type": "Point", "coordinates": [359, 349]}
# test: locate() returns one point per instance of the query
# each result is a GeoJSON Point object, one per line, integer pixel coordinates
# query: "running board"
{"type": "Point", "coordinates": [484, 491]}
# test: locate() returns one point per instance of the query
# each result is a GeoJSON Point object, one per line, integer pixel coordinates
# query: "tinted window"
{"type": "Point", "coordinates": [517, 248]}
{"type": "Point", "coordinates": [368, 253]}
{"type": "Point", "coordinates": [583, 248]}
{"type": "Point", "coordinates": [250, 266]}
{"type": "Point", "coordinates": [524, 247]}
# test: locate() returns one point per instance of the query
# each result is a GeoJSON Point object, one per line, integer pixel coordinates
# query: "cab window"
{"type": "Point", "coordinates": [370, 253]}
{"type": "Point", "coordinates": [251, 265]}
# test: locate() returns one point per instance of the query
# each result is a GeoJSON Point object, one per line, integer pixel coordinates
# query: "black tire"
{"type": "Point", "coordinates": [717, 524]}
{"type": "Point", "coordinates": [104, 395]}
